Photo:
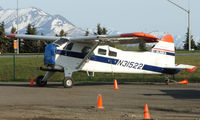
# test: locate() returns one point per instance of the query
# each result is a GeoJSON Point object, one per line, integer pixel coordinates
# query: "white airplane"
{"type": "Point", "coordinates": [93, 54]}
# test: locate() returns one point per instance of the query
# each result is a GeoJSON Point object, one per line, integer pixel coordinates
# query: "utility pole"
{"type": "Point", "coordinates": [17, 27]}
{"type": "Point", "coordinates": [188, 12]}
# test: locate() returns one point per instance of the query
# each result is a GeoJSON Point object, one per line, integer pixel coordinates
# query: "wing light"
{"type": "Point", "coordinates": [11, 35]}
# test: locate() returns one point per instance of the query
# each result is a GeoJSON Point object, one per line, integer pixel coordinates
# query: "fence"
{"type": "Point", "coordinates": [19, 67]}
{"type": "Point", "coordinates": [24, 66]}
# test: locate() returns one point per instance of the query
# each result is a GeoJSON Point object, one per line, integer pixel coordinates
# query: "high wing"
{"type": "Point", "coordinates": [127, 38]}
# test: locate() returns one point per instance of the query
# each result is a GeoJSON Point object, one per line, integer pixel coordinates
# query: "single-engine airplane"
{"type": "Point", "coordinates": [93, 54]}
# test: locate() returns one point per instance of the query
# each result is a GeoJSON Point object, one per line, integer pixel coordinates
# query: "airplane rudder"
{"type": "Point", "coordinates": [167, 38]}
{"type": "Point", "coordinates": [165, 44]}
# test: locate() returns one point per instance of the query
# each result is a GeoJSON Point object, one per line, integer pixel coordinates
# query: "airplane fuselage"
{"type": "Point", "coordinates": [111, 60]}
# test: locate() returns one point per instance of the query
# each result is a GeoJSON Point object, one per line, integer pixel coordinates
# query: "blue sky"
{"type": "Point", "coordinates": [121, 15]}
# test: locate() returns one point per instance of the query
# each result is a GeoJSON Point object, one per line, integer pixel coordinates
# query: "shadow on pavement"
{"type": "Point", "coordinates": [179, 94]}
{"type": "Point", "coordinates": [183, 94]}
{"type": "Point", "coordinates": [172, 110]}
{"type": "Point", "coordinates": [59, 84]}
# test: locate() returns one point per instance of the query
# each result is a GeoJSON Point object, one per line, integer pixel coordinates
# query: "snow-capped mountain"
{"type": "Point", "coordinates": [45, 23]}
{"type": "Point", "coordinates": [52, 24]}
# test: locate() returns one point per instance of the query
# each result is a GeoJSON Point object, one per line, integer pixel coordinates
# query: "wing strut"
{"type": "Point", "coordinates": [86, 57]}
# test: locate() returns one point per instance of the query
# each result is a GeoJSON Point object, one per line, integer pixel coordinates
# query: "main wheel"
{"type": "Point", "coordinates": [68, 82]}
{"type": "Point", "coordinates": [40, 82]}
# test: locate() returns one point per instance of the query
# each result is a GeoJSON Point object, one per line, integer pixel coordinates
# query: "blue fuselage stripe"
{"type": "Point", "coordinates": [153, 68]}
{"type": "Point", "coordinates": [169, 53]}
{"type": "Point", "coordinates": [106, 60]}
{"type": "Point", "coordinates": [70, 54]}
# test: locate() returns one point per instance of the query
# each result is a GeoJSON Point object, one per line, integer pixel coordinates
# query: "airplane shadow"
{"type": "Point", "coordinates": [179, 94]}
{"type": "Point", "coordinates": [172, 110]}
{"type": "Point", "coordinates": [10, 84]}
{"type": "Point", "coordinates": [59, 84]}
{"type": "Point", "coordinates": [14, 85]}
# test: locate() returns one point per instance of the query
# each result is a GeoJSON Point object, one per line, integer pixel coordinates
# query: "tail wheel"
{"type": "Point", "coordinates": [68, 82]}
{"type": "Point", "coordinates": [167, 82]}
{"type": "Point", "coordinates": [40, 82]}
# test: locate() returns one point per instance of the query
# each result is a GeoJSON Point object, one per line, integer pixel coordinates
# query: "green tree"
{"type": "Point", "coordinates": [62, 33]}
{"type": "Point", "coordinates": [198, 46]}
{"type": "Point", "coordinates": [186, 42]}
{"type": "Point", "coordinates": [104, 31]}
{"type": "Point", "coordinates": [13, 30]}
{"type": "Point", "coordinates": [11, 40]}
{"type": "Point", "coordinates": [87, 32]}
{"type": "Point", "coordinates": [41, 45]}
{"type": "Point", "coordinates": [142, 46]}
{"type": "Point", "coordinates": [4, 43]}
{"type": "Point", "coordinates": [29, 46]}
{"type": "Point", "coordinates": [193, 44]}
{"type": "Point", "coordinates": [100, 30]}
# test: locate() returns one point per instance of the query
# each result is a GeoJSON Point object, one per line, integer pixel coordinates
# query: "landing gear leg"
{"type": "Point", "coordinates": [68, 82]}
{"type": "Point", "coordinates": [41, 80]}
{"type": "Point", "coordinates": [168, 80]}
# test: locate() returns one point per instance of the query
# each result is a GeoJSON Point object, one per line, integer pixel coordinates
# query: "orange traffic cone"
{"type": "Point", "coordinates": [32, 82]}
{"type": "Point", "coordinates": [185, 81]}
{"type": "Point", "coordinates": [146, 113]}
{"type": "Point", "coordinates": [115, 85]}
{"type": "Point", "coordinates": [100, 104]}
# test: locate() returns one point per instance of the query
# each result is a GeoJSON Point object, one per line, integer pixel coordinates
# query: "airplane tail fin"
{"type": "Point", "coordinates": [165, 47]}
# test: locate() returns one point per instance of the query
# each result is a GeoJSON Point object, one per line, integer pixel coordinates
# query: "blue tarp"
{"type": "Point", "coordinates": [49, 55]}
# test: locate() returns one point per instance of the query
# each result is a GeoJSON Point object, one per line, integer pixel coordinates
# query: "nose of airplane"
{"type": "Point", "coordinates": [49, 55]}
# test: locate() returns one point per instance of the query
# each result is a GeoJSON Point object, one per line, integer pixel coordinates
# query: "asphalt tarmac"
{"type": "Point", "coordinates": [19, 101]}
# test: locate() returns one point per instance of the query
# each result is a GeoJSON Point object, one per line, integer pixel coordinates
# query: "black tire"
{"type": "Point", "coordinates": [167, 82]}
{"type": "Point", "coordinates": [68, 82]}
{"type": "Point", "coordinates": [39, 81]}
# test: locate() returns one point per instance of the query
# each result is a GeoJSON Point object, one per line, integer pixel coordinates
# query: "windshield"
{"type": "Point", "coordinates": [61, 41]}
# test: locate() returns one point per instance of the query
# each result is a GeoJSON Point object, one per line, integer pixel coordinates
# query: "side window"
{"type": "Point", "coordinates": [69, 46]}
{"type": "Point", "coordinates": [112, 53]}
{"type": "Point", "coordinates": [102, 51]}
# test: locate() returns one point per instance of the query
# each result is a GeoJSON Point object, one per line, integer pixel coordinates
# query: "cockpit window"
{"type": "Point", "coordinates": [112, 53]}
{"type": "Point", "coordinates": [61, 41]}
{"type": "Point", "coordinates": [69, 46]}
{"type": "Point", "coordinates": [102, 51]}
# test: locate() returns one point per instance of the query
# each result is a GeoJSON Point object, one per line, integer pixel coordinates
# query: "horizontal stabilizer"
{"type": "Point", "coordinates": [190, 68]}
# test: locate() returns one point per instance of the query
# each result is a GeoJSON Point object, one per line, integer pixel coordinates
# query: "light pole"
{"type": "Point", "coordinates": [17, 28]}
{"type": "Point", "coordinates": [188, 12]}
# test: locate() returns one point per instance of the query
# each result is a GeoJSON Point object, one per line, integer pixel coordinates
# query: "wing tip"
{"type": "Point", "coordinates": [11, 35]}
{"type": "Point", "coordinates": [141, 34]}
